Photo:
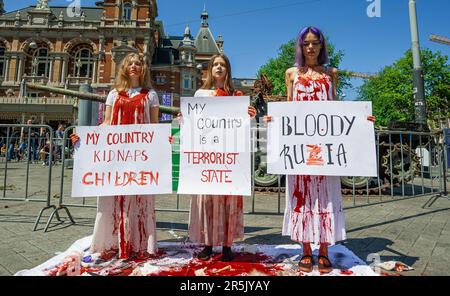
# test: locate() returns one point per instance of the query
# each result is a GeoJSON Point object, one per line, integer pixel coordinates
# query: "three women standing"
{"type": "Point", "coordinates": [313, 212]}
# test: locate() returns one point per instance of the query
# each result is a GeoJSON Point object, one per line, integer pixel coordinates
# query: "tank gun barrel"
{"type": "Point", "coordinates": [90, 96]}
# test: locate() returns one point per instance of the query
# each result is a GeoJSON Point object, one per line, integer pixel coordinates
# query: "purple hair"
{"type": "Point", "coordinates": [323, 56]}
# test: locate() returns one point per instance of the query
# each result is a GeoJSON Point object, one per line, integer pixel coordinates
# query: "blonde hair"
{"type": "Point", "coordinates": [209, 82]}
{"type": "Point", "coordinates": [123, 83]}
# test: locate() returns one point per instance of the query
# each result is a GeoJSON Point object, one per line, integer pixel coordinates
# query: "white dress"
{"type": "Point", "coordinates": [127, 223]}
{"type": "Point", "coordinates": [215, 220]}
{"type": "Point", "coordinates": [313, 211]}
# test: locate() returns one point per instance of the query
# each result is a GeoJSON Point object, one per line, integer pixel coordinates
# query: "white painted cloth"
{"type": "Point", "coordinates": [181, 254]}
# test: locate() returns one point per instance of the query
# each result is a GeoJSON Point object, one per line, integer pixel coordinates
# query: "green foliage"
{"type": "Point", "coordinates": [275, 68]}
{"type": "Point", "coordinates": [391, 92]}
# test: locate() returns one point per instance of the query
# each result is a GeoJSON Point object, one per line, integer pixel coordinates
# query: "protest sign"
{"type": "Point", "coordinates": [122, 160]}
{"type": "Point", "coordinates": [215, 146]}
{"type": "Point", "coordinates": [321, 138]}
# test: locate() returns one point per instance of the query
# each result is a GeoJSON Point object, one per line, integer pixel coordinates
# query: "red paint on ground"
{"type": "Point", "coordinates": [346, 272]}
{"type": "Point", "coordinates": [242, 264]}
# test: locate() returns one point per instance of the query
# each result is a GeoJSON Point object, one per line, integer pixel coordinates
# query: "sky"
{"type": "Point", "coordinates": [253, 30]}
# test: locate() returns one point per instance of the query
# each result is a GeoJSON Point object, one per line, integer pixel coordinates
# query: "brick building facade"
{"type": "Point", "coordinates": [69, 46]}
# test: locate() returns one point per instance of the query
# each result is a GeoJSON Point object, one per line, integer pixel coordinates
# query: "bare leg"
{"type": "Point", "coordinates": [323, 250]}
{"type": "Point", "coordinates": [307, 249]}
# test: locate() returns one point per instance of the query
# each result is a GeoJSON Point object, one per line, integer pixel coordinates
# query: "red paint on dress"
{"type": "Point", "coordinates": [127, 110]}
{"type": "Point", "coordinates": [124, 245]}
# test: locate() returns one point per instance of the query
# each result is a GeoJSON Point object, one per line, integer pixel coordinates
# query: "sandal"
{"type": "Point", "coordinates": [326, 267]}
{"type": "Point", "coordinates": [306, 267]}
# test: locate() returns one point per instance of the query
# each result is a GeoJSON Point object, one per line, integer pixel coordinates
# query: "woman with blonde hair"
{"type": "Point", "coordinates": [126, 224]}
{"type": "Point", "coordinates": [217, 220]}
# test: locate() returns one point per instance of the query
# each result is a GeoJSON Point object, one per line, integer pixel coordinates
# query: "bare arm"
{"type": "Point", "coordinates": [289, 82]}
{"type": "Point", "coordinates": [107, 119]}
{"type": "Point", "coordinates": [154, 114]}
{"type": "Point", "coordinates": [335, 79]}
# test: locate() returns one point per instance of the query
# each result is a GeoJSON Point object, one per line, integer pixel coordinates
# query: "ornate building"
{"type": "Point", "coordinates": [69, 46]}
{"type": "Point", "coordinates": [180, 62]}
{"type": "Point", "coordinates": [65, 47]}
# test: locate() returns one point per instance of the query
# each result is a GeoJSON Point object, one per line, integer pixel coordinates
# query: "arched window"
{"type": "Point", "coordinates": [40, 63]}
{"type": "Point", "coordinates": [126, 11]}
{"type": "Point", "coordinates": [83, 62]}
{"type": "Point", "coordinates": [2, 60]}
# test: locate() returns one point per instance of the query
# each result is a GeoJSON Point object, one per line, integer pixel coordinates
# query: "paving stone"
{"type": "Point", "coordinates": [423, 246]}
{"type": "Point", "coordinates": [14, 262]}
{"type": "Point", "coordinates": [4, 271]}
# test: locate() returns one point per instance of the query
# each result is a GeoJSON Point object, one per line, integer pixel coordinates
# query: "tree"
{"type": "Point", "coordinates": [275, 68]}
{"type": "Point", "coordinates": [391, 91]}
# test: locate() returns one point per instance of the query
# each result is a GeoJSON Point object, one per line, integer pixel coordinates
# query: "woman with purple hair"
{"type": "Point", "coordinates": [313, 213]}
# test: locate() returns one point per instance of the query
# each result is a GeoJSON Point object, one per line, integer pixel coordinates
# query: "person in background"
{"type": "Point", "coordinates": [59, 135]}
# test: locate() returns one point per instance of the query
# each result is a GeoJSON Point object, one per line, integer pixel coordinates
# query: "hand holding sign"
{"type": "Point", "coordinates": [74, 139]}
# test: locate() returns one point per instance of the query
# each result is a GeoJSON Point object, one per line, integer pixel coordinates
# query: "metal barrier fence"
{"type": "Point", "coordinates": [9, 143]}
{"type": "Point", "coordinates": [410, 164]}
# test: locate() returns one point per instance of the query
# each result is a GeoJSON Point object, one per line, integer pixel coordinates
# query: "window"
{"type": "Point", "coordinates": [83, 63]}
{"type": "Point", "coordinates": [186, 81]}
{"type": "Point", "coordinates": [192, 82]}
{"type": "Point", "coordinates": [2, 61]}
{"type": "Point", "coordinates": [160, 79]}
{"type": "Point", "coordinates": [40, 62]}
{"type": "Point", "coordinates": [126, 12]}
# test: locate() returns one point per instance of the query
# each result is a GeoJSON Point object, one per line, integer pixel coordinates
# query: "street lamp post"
{"type": "Point", "coordinates": [419, 94]}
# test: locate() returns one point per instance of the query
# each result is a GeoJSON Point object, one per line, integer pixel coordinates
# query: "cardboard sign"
{"type": "Point", "coordinates": [321, 138]}
{"type": "Point", "coordinates": [122, 160]}
{"type": "Point", "coordinates": [215, 146]}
